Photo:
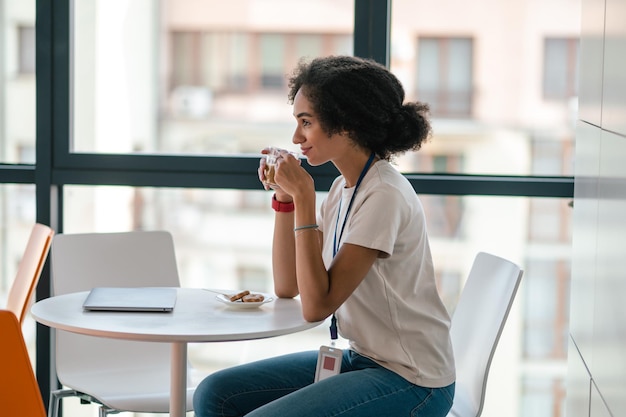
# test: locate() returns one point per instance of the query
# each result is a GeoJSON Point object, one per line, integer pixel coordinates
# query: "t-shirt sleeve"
{"type": "Point", "coordinates": [377, 220]}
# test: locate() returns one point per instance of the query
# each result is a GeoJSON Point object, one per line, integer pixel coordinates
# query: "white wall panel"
{"type": "Point", "coordinates": [598, 303]}
{"type": "Point", "coordinates": [584, 239]}
{"type": "Point", "coordinates": [578, 384]}
{"type": "Point", "coordinates": [608, 367]}
{"type": "Point", "coordinates": [598, 408]}
{"type": "Point", "coordinates": [591, 61]}
{"type": "Point", "coordinates": [614, 91]}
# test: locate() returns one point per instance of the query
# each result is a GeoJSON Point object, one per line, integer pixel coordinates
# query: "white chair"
{"type": "Point", "coordinates": [119, 375]}
{"type": "Point", "coordinates": [477, 323]}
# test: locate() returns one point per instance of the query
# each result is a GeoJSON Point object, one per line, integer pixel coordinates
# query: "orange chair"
{"type": "Point", "coordinates": [19, 392]}
{"type": "Point", "coordinates": [29, 270]}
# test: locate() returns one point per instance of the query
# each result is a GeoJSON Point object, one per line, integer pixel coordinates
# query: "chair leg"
{"type": "Point", "coordinates": [55, 400]}
{"type": "Point", "coordinates": [104, 411]}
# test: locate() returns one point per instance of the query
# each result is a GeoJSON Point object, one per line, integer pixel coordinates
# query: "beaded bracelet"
{"type": "Point", "coordinates": [306, 226]}
{"type": "Point", "coordinates": [298, 233]}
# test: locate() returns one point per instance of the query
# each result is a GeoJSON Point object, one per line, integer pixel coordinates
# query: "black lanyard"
{"type": "Point", "coordinates": [333, 321]}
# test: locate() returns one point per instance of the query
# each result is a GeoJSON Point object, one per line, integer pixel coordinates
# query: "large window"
{"type": "Point", "coordinates": [178, 80]}
{"type": "Point", "coordinates": [150, 115]}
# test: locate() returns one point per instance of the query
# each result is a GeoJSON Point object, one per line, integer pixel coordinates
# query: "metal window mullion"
{"type": "Point", "coordinates": [372, 30]}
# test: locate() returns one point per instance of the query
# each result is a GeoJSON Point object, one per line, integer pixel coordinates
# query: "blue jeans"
{"type": "Point", "coordinates": [283, 387]}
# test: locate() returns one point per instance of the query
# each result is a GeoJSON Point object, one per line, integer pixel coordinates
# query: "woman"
{"type": "Point", "coordinates": [363, 259]}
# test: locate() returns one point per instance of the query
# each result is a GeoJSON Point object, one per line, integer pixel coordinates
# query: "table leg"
{"type": "Point", "coordinates": [178, 392]}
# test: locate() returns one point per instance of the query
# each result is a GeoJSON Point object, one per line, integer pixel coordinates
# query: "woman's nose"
{"type": "Point", "coordinates": [297, 137]}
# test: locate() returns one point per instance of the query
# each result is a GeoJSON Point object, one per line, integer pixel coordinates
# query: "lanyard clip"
{"type": "Point", "coordinates": [333, 329]}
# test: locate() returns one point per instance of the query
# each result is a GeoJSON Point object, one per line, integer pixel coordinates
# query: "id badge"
{"type": "Point", "coordinates": [328, 362]}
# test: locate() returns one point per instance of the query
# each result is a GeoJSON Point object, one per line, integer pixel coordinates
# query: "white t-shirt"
{"type": "Point", "coordinates": [395, 316]}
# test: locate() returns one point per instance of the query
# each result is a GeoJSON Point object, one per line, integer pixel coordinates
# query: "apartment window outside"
{"type": "Point", "coordinates": [237, 75]}
{"type": "Point", "coordinates": [550, 221]}
{"type": "Point", "coordinates": [272, 49]}
{"type": "Point", "coordinates": [26, 48]}
{"type": "Point", "coordinates": [447, 163]}
{"type": "Point", "coordinates": [445, 214]}
{"type": "Point", "coordinates": [240, 61]}
{"type": "Point", "coordinates": [311, 45]}
{"type": "Point", "coordinates": [552, 155]}
{"type": "Point", "coordinates": [545, 295]}
{"type": "Point", "coordinates": [449, 286]}
{"type": "Point", "coordinates": [546, 309]}
{"type": "Point", "coordinates": [186, 69]}
{"type": "Point", "coordinates": [17, 82]}
{"type": "Point", "coordinates": [543, 398]}
{"type": "Point", "coordinates": [560, 71]}
{"type": "Point", "coordinates": [25, 152]}
{"type": "Point", "coordinates": [444, 75]}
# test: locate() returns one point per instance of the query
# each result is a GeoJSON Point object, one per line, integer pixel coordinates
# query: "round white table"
{"type": "Point", "coordinates": [197, 317]}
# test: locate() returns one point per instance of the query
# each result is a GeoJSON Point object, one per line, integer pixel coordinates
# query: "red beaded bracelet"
{"type": "Point", "coordinates": [282, 207]}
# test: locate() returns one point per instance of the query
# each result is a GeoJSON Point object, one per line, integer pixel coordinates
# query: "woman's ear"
{"type": "Point", "coordinates": [347, 134]}
{"type": "Point", "coordinates": [344, 134]}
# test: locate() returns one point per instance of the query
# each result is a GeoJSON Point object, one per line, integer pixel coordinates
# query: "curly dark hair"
{"type": "Point", "coordinates": [361, 97]}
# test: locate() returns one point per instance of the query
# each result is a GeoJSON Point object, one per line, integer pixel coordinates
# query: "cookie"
{"type": "Point", "coordinates": [253, 298]}
{"type": "Point", "coordinates": [239, 296]}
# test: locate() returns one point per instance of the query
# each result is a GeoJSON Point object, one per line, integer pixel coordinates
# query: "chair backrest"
{"type": "Point", "coordinates": [29, 270]}
{"type": "Point", "coordinates": [80, 262]}
{"type": "Point", "coordinates": [477, 323]}
{"type": "Point", "coordinates": [19, 391]}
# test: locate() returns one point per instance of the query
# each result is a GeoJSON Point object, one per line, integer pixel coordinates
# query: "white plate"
{"type": "Point", "coordinates": [240, 304]}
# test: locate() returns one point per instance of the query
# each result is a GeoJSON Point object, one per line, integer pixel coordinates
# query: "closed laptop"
{"type": "Point", "coordinates": [142, 299]}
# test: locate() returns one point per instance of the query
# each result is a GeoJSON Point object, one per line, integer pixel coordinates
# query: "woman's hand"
{"type": "Point", "coordinates": [292, 178]}
{"type": "Point", "coordinates": [262, 169]}
{"type": "Point", "coordinates": [289, 176]}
